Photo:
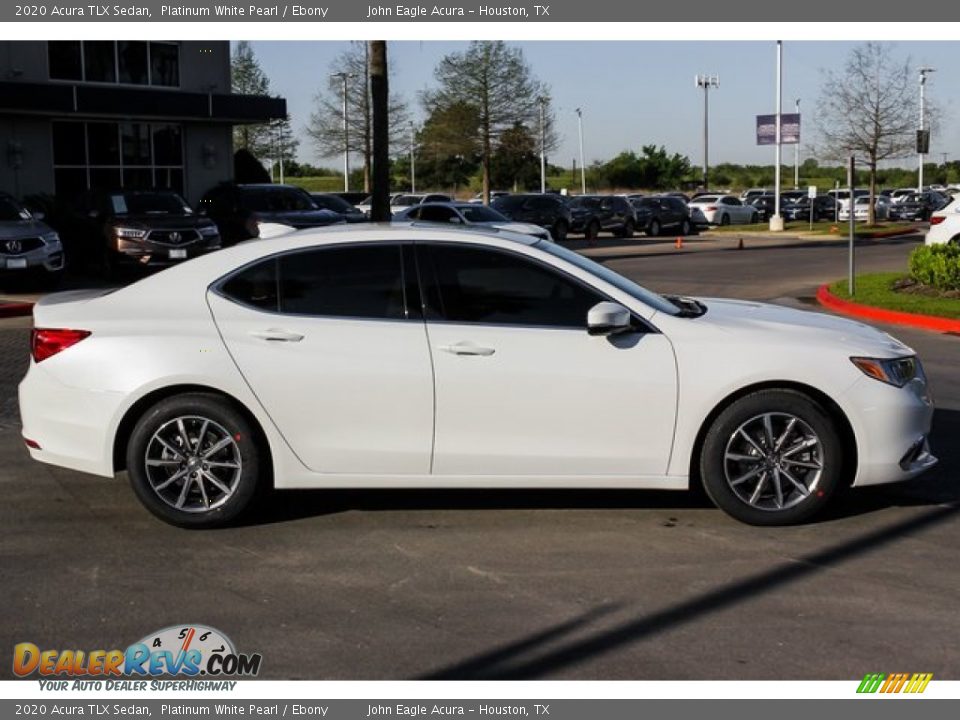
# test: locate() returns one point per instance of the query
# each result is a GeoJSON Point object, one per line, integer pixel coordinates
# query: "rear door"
{"type": "Point", "coordinates": [332, 342]}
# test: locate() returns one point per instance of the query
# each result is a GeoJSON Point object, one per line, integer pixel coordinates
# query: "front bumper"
{"type": "Point", "coordinates": [149, 253]}
{"type": "Point", "coordinates": [49, 258]}
{"type": "Point", "coordinates": [892, 427]}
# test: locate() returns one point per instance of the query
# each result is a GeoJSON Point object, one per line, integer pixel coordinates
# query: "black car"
{"type": "Point", "coordinates": [590, 214]}
{"type": "Point", "coordinates": [354, 198]}
{"type": "Point", "coordinates": [824, 208]}
{"type": "Point", "coordinates": [916, 206]}
{"type": "Point", "coordinates": [548, 211]}
{"type": "Point", "coordinates": [239, 209]}
{"type": "Point", "coordinates": [661, 212]}
{"type": "Point", "coordinates": [336, 204]}
{"type": "Point", "coordinates": [139, 227]}
{"type": "Point", "coordinates": [764, 204]}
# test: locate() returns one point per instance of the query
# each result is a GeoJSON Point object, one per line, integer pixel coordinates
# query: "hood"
{"type": "Point", "coordinates": [19, 229]}
{"type": "Point", "coordinates": [799, 327]}
{"type": "Point", "coordinates": [301, 218]}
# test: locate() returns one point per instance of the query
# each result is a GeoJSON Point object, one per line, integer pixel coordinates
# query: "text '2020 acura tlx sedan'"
{"type": "Point", "coordinates": [379, 357]}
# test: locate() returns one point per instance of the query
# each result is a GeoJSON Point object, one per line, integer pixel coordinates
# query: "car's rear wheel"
{"type": "Point", "coordinates": [773, 457]}
{"type": "Point", "coordinates": [592, 232]}
{"type": "Point", "coordinates": [685, 227]}
{"type": "Point", "coordinates": [559, 231]}
{"type": "Point", "coordinates": [194, 461]}
{"type": "Point", "coordinates": [724, 219]}
{"type": "Point", "coordinates": [754, 219]}
{"type": "Point", "coordinates": [628, 230]}
{"type": "Point", "coordinates": [654, 229]}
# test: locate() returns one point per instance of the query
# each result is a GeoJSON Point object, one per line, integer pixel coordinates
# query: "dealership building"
{"type": "Point", "coordinates": [120, 114]}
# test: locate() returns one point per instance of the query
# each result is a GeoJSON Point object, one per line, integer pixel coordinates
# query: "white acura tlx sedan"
{"type": "Point", "coordinates": [386, 357]}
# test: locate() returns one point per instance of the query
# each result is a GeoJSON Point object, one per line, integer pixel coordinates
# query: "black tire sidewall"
{"type": "Point", "coordinates": [222, 412]}
{"type": "Point", "coordinates": [654, 228]}
{"type": "Point", "coordinates": [560, 231]}
{"type": "Point", "coordinates": [685, 227]}
{"type": "Point", "coordinates": [741, 410]}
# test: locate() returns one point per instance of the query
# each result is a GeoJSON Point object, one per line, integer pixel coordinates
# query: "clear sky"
{"type": "Point", "coordinates": [637, 93]}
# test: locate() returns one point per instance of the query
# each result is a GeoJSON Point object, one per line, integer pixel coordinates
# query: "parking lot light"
{"type": "Point", "coordinates": [706, 82]}
{"type": "Point", "coordinates": [344, 77]}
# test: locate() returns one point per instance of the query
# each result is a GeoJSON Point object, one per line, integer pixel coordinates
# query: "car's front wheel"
{"type": "Point", "coordinates": [773, 457]}
{"type": "Point", "coordinates": [685, 227]}
{"type": "Point", "coordinates": [653, 229]}
{"type": "Point", "coordinates": [559, 231]}
{"type": "Point", "coordinates": [194, 461]}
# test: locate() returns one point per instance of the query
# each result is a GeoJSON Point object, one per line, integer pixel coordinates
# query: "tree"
{"type": "Point", "coordinates": [248, 78]}
{"type": "Point", "coordinates": [283, 145]}
{"type": "Point", "coordinates": [326, 122]}
{"type": "Point", "coordinates": [494, 80]}
{"type": "Point", "coordinates": [868, 109]}
{"type": "Point", "coordinates": [380, 121]}
{"type": "Point", "coordinates": [515, 163]}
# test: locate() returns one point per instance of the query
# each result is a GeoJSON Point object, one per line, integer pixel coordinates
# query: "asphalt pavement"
{"type": "Point", "coordinates": [515, 584]}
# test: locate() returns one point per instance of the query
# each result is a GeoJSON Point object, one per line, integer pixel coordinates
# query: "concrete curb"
{"type": "Point", "coordinates": [894, 317]}
{"type": "Point", "coordinates": [15, 309]}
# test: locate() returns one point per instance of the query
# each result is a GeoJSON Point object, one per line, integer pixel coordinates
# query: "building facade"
{"type": "Point", "coordinates": [120, 114]}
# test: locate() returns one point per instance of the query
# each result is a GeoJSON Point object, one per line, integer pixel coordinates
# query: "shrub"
{"type": "Point", "coordinates": [937, 266]}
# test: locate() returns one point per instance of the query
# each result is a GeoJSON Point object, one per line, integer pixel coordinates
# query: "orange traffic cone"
{"type": "Point", "coordinates": [740, 244]}
{"type": "Point", "coordinates": [679, 244]}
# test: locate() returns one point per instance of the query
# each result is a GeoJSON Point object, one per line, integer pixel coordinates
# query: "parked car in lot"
{"type": "Point", "coordinates": [336, 204]}
{"type": "Point", "coordinates": [765, 205]}
{"type": "Point", "coordinates": [750, 193]}
{"type": "Point", "coordinates": [29, 248]}
{"type": "Point", "coordinates": [657, 213]}
{"type": "Point", "coordinates": [725, 210]}
{"type": "Point", "coordinates": [945, 224]}
{"type": "Point", "coordinates": [494, 194]}
{"type": "Point", "coordinates": [592, 214]}
{"type": "Point", "coordinates": [367, 356]}
{"type": "Point", "coordinates": [239, 209]}
{"type": "Point", "coordinates": [916, 206]}
{"type": "Point", "coordinates": [824, 208]}
{"type": "Point", "coordinates": [548, 211]}
{"type": "Point", "coordinates": [406, 200]}
{"type": "Point", "coordinates": [861, 208]}
{"type": "Point", "coordinates": [468, 214]}
{"type": "Point", "coordinates": [140, 227]}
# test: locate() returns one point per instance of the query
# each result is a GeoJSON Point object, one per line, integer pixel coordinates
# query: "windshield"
{"type": "Point", "coordinates": [149, 204]}
{"type": "Point", "coordinates": [276, 200]}
{"type": "Point", "coordinates": [479, 214]}
{"type": "Point", "coordinates": [705, 199]}
{"type": "Point", "coordinates": [11, 212]}
{"type": "Point", "coordinates": [651, 299]}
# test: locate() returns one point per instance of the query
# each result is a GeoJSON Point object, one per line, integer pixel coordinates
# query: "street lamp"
{"type": "Point", "coordinates": [583, 170]}
{"type": "Point", "coordinates": [413, 159]}
{"type": "Point", "coordinates": [796, 154]}
{"type": "Point", "coordinates": [706, 82]}
{"type": "Point", "coordinates": [776, 222]}
{"type": "Point", "coordinates": [344, 77]}
{"type": "Point", "coordinates": [924, 71]}
{"type": "Point", "coordinates": [542, 101]}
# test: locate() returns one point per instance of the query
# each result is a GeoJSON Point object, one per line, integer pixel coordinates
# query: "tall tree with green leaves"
{"type": "Point", "coordinates": [248, 78]}
{"type": "Point", "coordinates": [495, 80]}
{"type": "Point", "coordinates": [325, 127]}
{"type": "Point", "coordinates": [869, 109]}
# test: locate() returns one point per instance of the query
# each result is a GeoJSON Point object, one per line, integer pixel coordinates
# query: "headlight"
{"type": "Point", "coordinates": [895, 371]}
{"type": "Point", "coordinates": [50, 238]}
{"type": "Point", "coordinates": [131, 233]}
{"type": "Point", "coordinates": [209, 230]}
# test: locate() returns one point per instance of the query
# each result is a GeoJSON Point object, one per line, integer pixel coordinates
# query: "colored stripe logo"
{"type": "Point", "coordinates": [894, 683]}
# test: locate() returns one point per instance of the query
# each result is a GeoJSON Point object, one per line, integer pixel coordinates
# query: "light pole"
{"type": "Point", "coordinates": [413, 159]}
{"type": "Point", "coordinates": [706, 82]}
{"type": "Point", "coordinates": [543, 144]}
{"type": "Point", "coordinates": [776, 222]}
{"type": "Point", "coordinates": [583, 169]}
{"type": "Point", "coordinates": [796, 154]}
{"type": "Point", "coordinates": [344, 77]}
{"type": "Point", "coordinates": [924, 71]}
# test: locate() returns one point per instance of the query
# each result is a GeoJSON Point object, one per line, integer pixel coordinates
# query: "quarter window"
{"type": "Point", "coordinates": [475, 285]}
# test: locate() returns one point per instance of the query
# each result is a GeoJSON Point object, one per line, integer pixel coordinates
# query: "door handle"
{"type": "Point", "coordinates": [467, 348]}
{"type": "Point", "coordinates": [277, 335]}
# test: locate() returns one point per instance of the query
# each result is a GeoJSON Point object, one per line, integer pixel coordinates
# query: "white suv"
{"type": "Point", "coordinates": [945, 224]}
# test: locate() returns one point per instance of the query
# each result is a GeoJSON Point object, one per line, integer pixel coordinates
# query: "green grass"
{"type": "Point", "coordinates": [317, 184]}
{"type": "Point", "coordinates": [822, 227]}
{"type": "Point", "coordinates": [876, 290]}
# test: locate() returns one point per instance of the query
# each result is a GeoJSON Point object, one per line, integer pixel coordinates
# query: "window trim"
{"type": "Point", "coordinates": [423, 257]}
{"type": "Point", "coordinates": [412, 313]}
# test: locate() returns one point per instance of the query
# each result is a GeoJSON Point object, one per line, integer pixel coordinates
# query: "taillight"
{"type": "Point", "coordinates": [937, 219]}
{"type": "Point", "coordinates": [711, 209]}
{"type": "Point", "coordinates": [46, 342]}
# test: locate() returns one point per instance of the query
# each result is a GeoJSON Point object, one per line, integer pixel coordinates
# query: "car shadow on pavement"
{"type": "Point", "coordinates": [937, 487]}
{"type": "Point", "coordinates": [552, 650]}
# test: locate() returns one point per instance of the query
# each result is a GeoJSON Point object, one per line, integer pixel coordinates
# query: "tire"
{"type": "Point", "coordinates": [235, 466]}
{"type": "Point", "coordinates": [729, 462]}
{"type": "Point", "coordinates": [724, 219]}
{"type": "Point", "coordinates": [592, 232]}
{"type": "Point", "coordinates": [628, 230]}
{"type": "Point", "coordinates": [685, 227]}
{"type": "Point", "coordinates": [654, 228]}
{"type": "Point", "coordinates": [559, 231]}
{"type": "Point", "coordinates": [754, 219]}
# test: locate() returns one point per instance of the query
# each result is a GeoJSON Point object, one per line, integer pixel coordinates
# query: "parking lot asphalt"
{"type": "Point", "coordinates": [513, 584]}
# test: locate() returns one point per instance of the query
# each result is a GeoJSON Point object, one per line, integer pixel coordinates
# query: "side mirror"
{"type": "Point", "coordinates": [608, 318]}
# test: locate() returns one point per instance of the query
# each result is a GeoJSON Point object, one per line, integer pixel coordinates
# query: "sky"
{"type": "Point", "coordinates": [637, 93]}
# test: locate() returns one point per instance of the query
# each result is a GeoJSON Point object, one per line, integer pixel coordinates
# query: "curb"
{"type": "Point", "coordinates": [894, 317]}
{"type": "Point", "coordinates": [15, 309]}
